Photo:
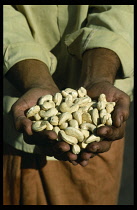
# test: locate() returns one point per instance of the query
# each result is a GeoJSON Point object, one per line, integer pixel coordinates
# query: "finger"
{"type": "Point", "coordinates": [86, 155]}
{"type": "Point", "coordinates": [112, 133]}
{"type": "Point", "coordinates": [71, 156]}
{"type": "Point", "coordinates": [61, 147]}
{"type": "Point", "coordinates": [99, 147]}
{"type": "Point", "coordinates": [121, 111]}
{"type": "Point", "coordinates": [74, 162]}
{"type": "Point", "coordinates": [83, 163]}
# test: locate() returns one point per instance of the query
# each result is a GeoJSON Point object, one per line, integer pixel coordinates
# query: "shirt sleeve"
{"type": "Point", "coordinates": [108, 26]}
{"type": "Point", "coordinates": [19, 43]}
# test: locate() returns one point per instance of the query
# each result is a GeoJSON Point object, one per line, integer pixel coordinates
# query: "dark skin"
{"type": "Point", "coordinates": [25, 76]}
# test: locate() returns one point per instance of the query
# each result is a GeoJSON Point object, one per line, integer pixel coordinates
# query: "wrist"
{"type": "Point", "coordinates": [99, 65]}
{"type": "Point", "coordinates": [28, 74]}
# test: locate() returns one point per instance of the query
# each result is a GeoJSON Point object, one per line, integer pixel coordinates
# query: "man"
{"type": "Point", "coordinates": [46, 49]}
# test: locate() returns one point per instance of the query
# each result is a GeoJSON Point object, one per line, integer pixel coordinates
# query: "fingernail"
{"type": "Point", "coordinates": [94, 148]}
{"type": "Point", "coordinates": [121, 120]}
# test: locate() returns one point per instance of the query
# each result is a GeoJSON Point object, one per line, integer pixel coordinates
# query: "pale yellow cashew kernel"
{"type": "Point", "coordinates": [86, 133]}
{"type": "Point", "coordinates": [78, 116]}
{"type": "Point", "coordinates": [32, 111]}
{"type": "Point", "coordinates": [38, 126]}
{"type": "Point", "coordinates": [82, 92]}
{"type": "Point", "coordinates": [95, 116]}
{"type": "Point", "coordinates": [51, 112]}
{"type": "Point", "coordinates": [63, 125]}
{"type": "Point", "coordinates": [82, 101]}
{"type": "Point", "coordinates": [73, 123]}
{"type": "Point", "coordinates": [47, 105]}
{"type": "Point", "coordinates": [86, 117]}
{"type": "Point", "coordinates": [45, 98]}
{"type": "Point", "coordinates": [37, 117]}
{"type": "Point", "coordinates": [66, 116]}
{"type": "Point", "coordinates": [75, 133]}
{"type": "Point", "coordinates": [82, 145]}
{"type": "Point", "coordinates": [88, 126]}
{"type": "Point", "coordinates": [54, 120]}
{"type": "Point", "coordinates": [64, 107]}
{"type": "Point", "coordinates": [109, 107]}
{"type": "Point", "coordinates": [76, 149]}
{"type": "Point", "coordinates": [57, 98]}
{"type": "Point", "coordinates": [69, 139]}
{"type": "Point", "coordinates": [92, 138]}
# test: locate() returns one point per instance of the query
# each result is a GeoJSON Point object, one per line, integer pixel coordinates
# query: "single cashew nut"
{"type": "Point", "coordinates": [69, 139]}
{"type": "Point", "coordinates": [54, 120]}
{"type": "Point", "coordinates": [32, 111]}
{"type": "Point", "coordinates": [92, 138]}
{"type": "Point", "coordinates": [76, 149]}
{"type": "Point", "coordinates": [101, 105]}
{"type": "Point", "coordinates": [109, 107]}
{"type": "Point", "coordinates": [73, 123]}
{"type": "Point", "coordinates": [45, 98]}
{"type": "Point", "coordinates": [75, 133]}
{"type": "Point", "coordinates": [82, 92]}
{"type": "Point", "coordinates": [86, 117]}
{"type": "Point", "coordinates": [86, 133]}
{"type": "Point", "coordinates": [88, 126]}
{"type": "Point", "coordinates": [95, 116]}
{"type": "Point", "coordinates": [37, 117]}
{"type": "Point", "coordinates": [57, 98]}
{"type": "Point", "coordinates": [38, 126]}
{"type": "Point", "coordinates": [102, 97]}
{"type": "Point", "coordinates": [64, 107]}
{"type": "Point", "coordinates": [63, 125]}
{"type": "Point", "coordinates": [82, 101]}
{"type": "Point", "coordinates": [82, 145]}
{"type": "Point", "coordinates": [47, 105]}
{"type": "Point", "coordinates": [48, 126]}
{"type": "Point", "coordinates": [66, 116]}
{"type": "Point", "coordinates": [78, 116]}
{"type": "Point", "coordinates": [51, 112]}
{"type": "Point", "coordinates": [70, 91]}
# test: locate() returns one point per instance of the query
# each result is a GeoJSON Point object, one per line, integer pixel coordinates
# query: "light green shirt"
{"type": "Point", "coordinates": [58, 35]}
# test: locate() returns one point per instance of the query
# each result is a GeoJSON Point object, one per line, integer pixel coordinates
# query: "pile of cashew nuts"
{"type": "Point", "coordinates": [72, 115]}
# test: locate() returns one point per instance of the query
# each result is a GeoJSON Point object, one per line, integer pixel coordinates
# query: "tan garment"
{"type": "Point", "coordinates": [30, 180]}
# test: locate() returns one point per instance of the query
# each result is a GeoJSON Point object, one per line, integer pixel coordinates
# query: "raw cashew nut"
{"type": "Point", "coordinates": [73, 123]}
{"type": "Point", "coordinates": [82, 145]}
{"type": "Point", "coordinates": [32, 111]}
{"type": "Point", "coordinates": [57, 98]}
{"type": "Point", "coordinates": [63, 125]}
{"type": "Point", "coordinates": [54, 120]}
{"type": "Point", "coordinates": [88, 126]}
{"type": "Point", "coordinates": [47, 105]}
{"type": "Point", "coordinates": [82, 92]}
{"type": "Point", "coordinates": [70, 91]}
{"type": "Point", "coordinates": [45, 98]}
{"type": "Point", "coordinates": [109, 107]}
{"type": "Point", "coordinates": [64, 107]}
{"type": "Point", "coordinates": [48, 126]}
{"type": "Point", "coordinates": [82, 101]}
{"type": "Point", "coordinates": [38, 126]}
{"type": "Point", "coordinates": [66, 116]}
{"type": "Point", "coordinates": [78, 116]}
{"type": "Point", "coordinates": [95, 116]}
{"type": "Point", "coordinates": [76, 149]}
{"type": "Point", "coordinates": [75, 133]}
{"type": "Point", "coordinates": [69, 139]}
{"type": "Point", "coordinates": [92, 138]}
{"type": "Point", "coordinates": [51, 112]}
{"type": "Point", "coordinates": [86, 117]}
